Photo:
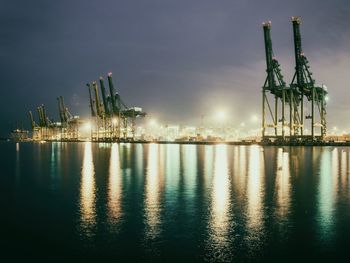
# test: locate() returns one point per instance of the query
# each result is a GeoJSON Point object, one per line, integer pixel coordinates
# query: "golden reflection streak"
{"type": "Point", "coordinates": [220, 197]}
{"type": "Point", "coordinates": [239, 173]}
{"type": "Point", "coordinates": [152, 192]}
{"type": "Point", "coordinates": [115, 185]}
{"type": "Point", "coordinates": [282, 184]}
{"type": "Point", "coordinates": [255, 189]}
{"type": "Point", "coordinates": [87, 198]}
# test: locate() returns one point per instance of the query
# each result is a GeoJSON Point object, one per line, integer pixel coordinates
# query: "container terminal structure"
{"type": "Point", "coordinates": [112, 120]}
{"type": "Point", "coordinates": [67, 129]}
{"type": "Point", "coordinates": [285, 109]}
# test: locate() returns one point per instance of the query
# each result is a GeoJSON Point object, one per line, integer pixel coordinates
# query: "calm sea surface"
{"type": "Point", "coordinates": [178, 203]}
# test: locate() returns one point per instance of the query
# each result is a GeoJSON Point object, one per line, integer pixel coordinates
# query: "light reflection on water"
{"type": "Point", "coordinates": [172, 172]}
{"type": "Point", "coordinates": [327, 191]}
{"type": "Point", "coordinates": [220, 206]}
{"type": "Point", "coordinates": [255, 192]}
{"type": "Point", "coordinates": [88, 193]}
{"type": "Point", "coordinates": [245, 191]}
{"type": "Point", "coordinates": [114, 186]}
{"type": "Point", "coordinates": [282, 184]}
{"type": "Point", "coordinates": [18, 167]}
{"type": "Point", "coordinates": [152, 193]}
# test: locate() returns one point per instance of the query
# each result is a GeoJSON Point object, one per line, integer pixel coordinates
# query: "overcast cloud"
{"type": "Point", "coordinates": [176, 59]}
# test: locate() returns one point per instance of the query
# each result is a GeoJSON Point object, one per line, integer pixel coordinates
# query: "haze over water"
{"type": "Point", "coordinates": [150, 202]}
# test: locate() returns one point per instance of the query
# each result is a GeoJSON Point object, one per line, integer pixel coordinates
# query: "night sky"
{"type": "Point", "coordinates": [177, 59]}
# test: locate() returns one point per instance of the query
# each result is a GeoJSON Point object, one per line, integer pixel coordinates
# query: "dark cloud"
{"type": "Point", "coordinates": [177, 59]}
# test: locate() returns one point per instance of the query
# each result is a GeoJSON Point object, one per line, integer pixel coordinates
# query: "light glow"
{"type": "Point", "coordinates": [87, 126]}
{"type": "Point", "coordinates": [221, 115]}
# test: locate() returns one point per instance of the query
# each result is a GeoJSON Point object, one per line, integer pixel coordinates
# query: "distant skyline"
{"type": "Point", "coordinates": [176, 59]}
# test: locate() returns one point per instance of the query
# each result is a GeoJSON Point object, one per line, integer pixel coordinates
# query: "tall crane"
{"type": "Point", "coordinates": [99, 108]}
{"type": "Point", "coordinates": [104, 97]}
{"type": "Point", "coordinates": [113, 95]}
{"type": "Point", "coordinates": [65, 115]}
{"type": "Point", "coordinates": [274, 84]}
{"type": "Point", "coordinates": [61, 111]}
{"type": "Point", "coordinates": [113, 117]}
{"type": "Point", "coordinates": [92, 102]}
{"type": "Point", "coordinates": [304, 83]}
{"type": "Point", "coordinates": [32, 122]}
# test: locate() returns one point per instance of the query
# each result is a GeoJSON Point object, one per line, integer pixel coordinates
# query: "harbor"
{"type": "Point", "coordinates": [175, 131]}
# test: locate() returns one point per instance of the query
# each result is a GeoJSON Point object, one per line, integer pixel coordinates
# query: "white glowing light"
{"type": "Point", "coordinates": [87, 126]}
{"type": "Point", "coordinates": [114, 121]}
{"type": "Point", "coordinates": [254, 118]}
{"type": "Point", "coordinates": [286, 128]}
{"type": "Point", "coordinates": [152, 122]}
{"type": "Point", "coordinates": [326, 98]}
{"type": "Point", "coordinates": [220, 115]}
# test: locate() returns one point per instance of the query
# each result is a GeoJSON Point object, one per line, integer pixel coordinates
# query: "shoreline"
{"type": "Point", "coordinates": [237, 143]}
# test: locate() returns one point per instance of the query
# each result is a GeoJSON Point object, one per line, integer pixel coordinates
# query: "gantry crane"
{"type": "Point", "coordinates": [274, 85]}
{"type": "Point", "coordinates": [69, 125]}
{"type": "Point", "coordinates": [305, 84]}
{"type": "Point", "coordinates": [302, 85]}
{"type": "Point", "coordinates": [113, 119]}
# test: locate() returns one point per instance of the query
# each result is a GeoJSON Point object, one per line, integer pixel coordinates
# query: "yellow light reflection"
{"type": "Point", "coordinates": [282, 183]}
{"type": "Point", "coordinates": [152, 204]}
{"type": "Point", "coordinates": [240, 171]}
{"type": "Point", "coordinates": [87, 195]}
{"type": "Point", "coordinates": [255, 190]}
{"type": "Point", "coordinates": [114, 185]}
{"type": "Point", "coordinates": [220, 197]}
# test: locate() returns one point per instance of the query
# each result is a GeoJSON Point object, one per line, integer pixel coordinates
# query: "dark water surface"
{"type": "Point", "coordinates": [178, 203]}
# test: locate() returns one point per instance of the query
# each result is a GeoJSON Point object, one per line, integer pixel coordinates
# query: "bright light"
{"type": "Point", "coordinates": [326, 98]}
{"type": "Point", "coordinates": [87, 126]}
{"type": "Point", "coordinates": [254, 118]}
{"type": "Point", "coordinates": [220, 115]}
{"type": "Point", "coordinates": [152, 122]}
{"type": "Point", "coordinates": [242, 124]}
{"type": "Point", "coordinates": [335, 128]}
{"type": "Point", "coordinates": [114, 121]}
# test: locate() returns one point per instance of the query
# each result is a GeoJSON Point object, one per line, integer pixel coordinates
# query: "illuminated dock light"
{"type": "Point", "coordinates": [87, 126]}
{"type": "Point", "coordinates": [221, 115]}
